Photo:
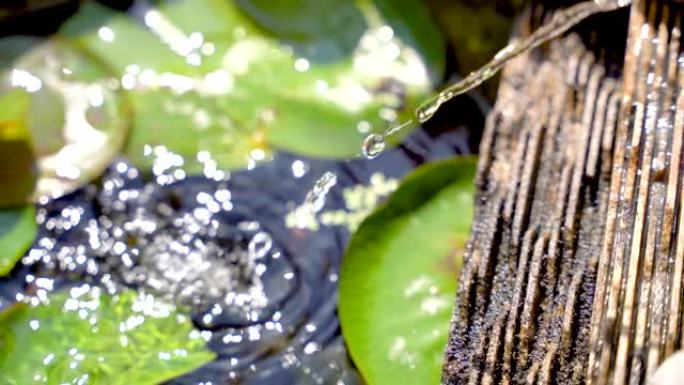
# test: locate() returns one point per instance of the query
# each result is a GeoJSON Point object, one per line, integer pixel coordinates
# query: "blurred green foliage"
{"type": "Point", "coordinates": [273, 98]}
{"type": "Point", "coordinates": [237, 79]}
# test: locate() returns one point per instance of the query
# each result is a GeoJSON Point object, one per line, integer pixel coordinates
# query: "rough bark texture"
{"type": "Point", "coordinates": [579, 199]}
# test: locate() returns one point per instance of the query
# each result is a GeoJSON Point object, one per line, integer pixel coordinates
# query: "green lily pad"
{"type": "Point", "coordinates": [186, 124]}
{"type": "Point", "coordinates": [398, 276]}
{"type": "Point", "coordinates": [84, 335]}
{"type": "Point", "coordinates": [17, 231]}
{"type": "Point", "coordinates": [118, 41]}
{"type": "Point", "coordinates": [74, 117]}
{"type": "Point", "coordinates": [205, 75]}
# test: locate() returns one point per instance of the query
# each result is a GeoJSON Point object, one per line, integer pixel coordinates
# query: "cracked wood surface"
{"type": "Point", "coordinates": [573, 273]}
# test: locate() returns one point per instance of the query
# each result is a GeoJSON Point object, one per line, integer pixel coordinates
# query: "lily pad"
{"type": "Point", "coordinates": [17, 230]}
{"type": "Point", "coordinates": [84, 335]}
{"type": "Point", "coordinates": [74, 118]}
{"type": "Point", "coordinates": [119, 41]}
{"type": "Point", "coordinates": [398, 277]}
{"type": "Point", "coordinates": [205, 71]}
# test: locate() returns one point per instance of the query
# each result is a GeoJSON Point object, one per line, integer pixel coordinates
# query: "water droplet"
{"type": "Point", "coordinates": [428, 109]}
{"type": "Point", "coordinates": [373, 145]}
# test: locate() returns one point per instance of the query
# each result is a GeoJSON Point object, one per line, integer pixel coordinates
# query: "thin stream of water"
{"type": "Point", "coordinates": [559, 24]}
{"type": "Point", "coordinates": [561, 21]}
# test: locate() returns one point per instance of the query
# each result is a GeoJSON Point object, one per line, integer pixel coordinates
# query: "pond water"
{"type": "Point", "coordinates": [249, 254]}
{"type": "Point", "coordinates": [264, 289]}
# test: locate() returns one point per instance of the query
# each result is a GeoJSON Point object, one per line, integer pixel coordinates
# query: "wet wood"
{"type": "Point", "coordinates": [573, 273]}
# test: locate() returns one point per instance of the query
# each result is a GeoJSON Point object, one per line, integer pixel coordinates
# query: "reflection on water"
{"type": "Point", "coordinates": [262, 292]}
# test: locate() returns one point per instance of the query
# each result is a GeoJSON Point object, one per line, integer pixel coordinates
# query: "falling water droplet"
{"type": "Point", "coordinates": [373, 145]}
{"type": "Point", "coordinates": [428, 109]}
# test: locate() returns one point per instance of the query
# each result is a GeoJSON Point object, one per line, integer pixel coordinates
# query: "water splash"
{"type": "Point", "coordinates": [559, 23]}
{"type": "Point", "coordinates": [316, 197]}
{"type": "Point", "coordinates": [233, 224]}
{"type": "Point", "coordinates": [304, 215]}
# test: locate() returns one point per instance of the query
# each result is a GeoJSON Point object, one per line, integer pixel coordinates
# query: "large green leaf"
{"type": "Point", "coordinates": [398, 277]}
{"type": "Point", "coordinates": [17, 230]}
{"type": "Point", "coordinates": [84, 336]}
{"type": "Point", "coordinates": [117, 41]}
{"type": "Point", "coordinates": [207, 75]}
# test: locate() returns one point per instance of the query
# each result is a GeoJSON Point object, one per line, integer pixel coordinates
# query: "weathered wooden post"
{"type": "Point", "coordinates": [574, 269]}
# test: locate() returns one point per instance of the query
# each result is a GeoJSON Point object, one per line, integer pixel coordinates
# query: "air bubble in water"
{"type": "Point", "coordinates": [373, 145]}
